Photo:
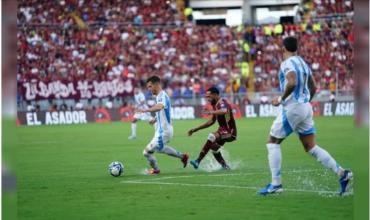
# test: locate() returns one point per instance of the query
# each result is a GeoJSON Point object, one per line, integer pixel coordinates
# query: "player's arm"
{"type": "Point", "coordinates": [221, 111]}
{"type": "Point", "coordinates": [154, 108]}
{"type": "Point", "coordinates": [203, 126]}
{"type": "Point", "coordinates": [311, 86]}
{"type": "Point", "coordinates": [291, 78]}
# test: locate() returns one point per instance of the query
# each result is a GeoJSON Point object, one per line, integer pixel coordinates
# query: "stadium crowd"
{"type": "Point", "coordinates": [124, 40]}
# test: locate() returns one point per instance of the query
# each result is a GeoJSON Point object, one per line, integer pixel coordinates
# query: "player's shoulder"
{"type": "Point", "coordinates": [222, 103]}
{"type": "Point", "coordinates": [161, 96]}
{"type": "Point", "coordinates": [287, 65]}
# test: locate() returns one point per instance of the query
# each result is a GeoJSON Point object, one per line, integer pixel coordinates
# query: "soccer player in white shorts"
{"type": "Point", "coordinates": [163, 127]}
{"type": "Point", "coordinates": [295, 115]}
{"type": "Point", "coordinates": [139, 103]}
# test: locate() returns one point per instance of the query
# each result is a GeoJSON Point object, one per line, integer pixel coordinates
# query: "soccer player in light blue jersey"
{"type": "Point", "coordinates": [163, 127]}
{"type": "Point", "coordinates": [295, 115]}
{"type": "Point", "coordinates": [140, 102]}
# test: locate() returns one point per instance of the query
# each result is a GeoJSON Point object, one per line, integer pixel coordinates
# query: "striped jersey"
{"type": "Point", "coordinates": [164, 123]}
{"type": "Point", "coordinates": [301, 93]}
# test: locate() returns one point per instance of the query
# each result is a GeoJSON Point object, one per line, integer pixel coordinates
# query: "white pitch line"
{"type": "Point", "coordinates": [217, 175]}
{"type": "Point", "coordinates": [155, 181]}
{"type": "Point", "coordinates": [223, 186]}
{"type": "Point", "coordinates": [189, 176]}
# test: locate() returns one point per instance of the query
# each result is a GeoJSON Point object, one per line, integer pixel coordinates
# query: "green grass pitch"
{"type": "Point", "coordinates": [62, 174]}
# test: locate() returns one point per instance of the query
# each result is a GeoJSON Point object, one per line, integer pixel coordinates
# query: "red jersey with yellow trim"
{"type": "Point", "coordinates": [225, 121]}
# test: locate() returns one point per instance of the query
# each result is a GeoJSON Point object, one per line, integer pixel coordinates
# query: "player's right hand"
{"type": "Point", "coordinates": [191, 131]}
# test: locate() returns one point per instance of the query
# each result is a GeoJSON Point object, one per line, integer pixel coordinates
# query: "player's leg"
{"type": "Point", "coordinates": [274, 157]}
{"type": "Point", "coordinates": [211, 143]}
{"type": "Point", "coordinates": [308, 142]}
{"type": "Point", "coordinates": [224, 136]}
{"type": "Point", "coordinates": [149, 155]}
{"type": "Point", "coordinates": [133, 127]}
{"type": "Point", "coordinates": [306, 133]}
{"type": "Point", "coordinates": [220, 159]}
{"type": "Point", "coordinates": [165, 149]}
{"type": "Point", "coordinates": [280, 129]}
{"type": "Point", "coordinates": [307, 137]}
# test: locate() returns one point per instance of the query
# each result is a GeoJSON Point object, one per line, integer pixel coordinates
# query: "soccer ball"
{"type": "Point", "coordinates": [115, 168]}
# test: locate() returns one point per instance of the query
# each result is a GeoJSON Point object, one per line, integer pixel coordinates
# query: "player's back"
{"type": "Point", "coordinates": [164, 122]}
{"type": "Point", "coordinates": [227, 120]}
{"type": "Point", "coordinates": [301, 93]}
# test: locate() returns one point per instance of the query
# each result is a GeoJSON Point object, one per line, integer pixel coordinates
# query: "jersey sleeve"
{"type": "Point", "coordinates": [221, 105]}
{"type": "Point", "coordinates": [287, 67]}
{"type": "Point", "coordinates": [161, 99]}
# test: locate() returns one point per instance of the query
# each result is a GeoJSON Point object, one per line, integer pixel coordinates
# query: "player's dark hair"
{"type": "Point", "coordinates": [290, 44]}
{"type": "Point", "coordinates": [153, 79]}
{"type": "Point", "coordinates": [213, 90]}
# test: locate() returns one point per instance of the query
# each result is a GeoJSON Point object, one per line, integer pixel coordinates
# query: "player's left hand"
{"type": "Point", "coordinates": [276, 101]}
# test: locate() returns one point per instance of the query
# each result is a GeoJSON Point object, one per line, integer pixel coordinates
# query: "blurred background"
{"type": "Point", "coordinates": [89, 54]}
{"type": "Point", "coordinates": [86, 54]}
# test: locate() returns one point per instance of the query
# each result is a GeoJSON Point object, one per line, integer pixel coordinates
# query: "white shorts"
{"type": "Point", "coordinates": [145, 116]}
{"type": "Point", "coordinates": [159, 141]}
{"type": "Point", "coordinates": [294, 117]}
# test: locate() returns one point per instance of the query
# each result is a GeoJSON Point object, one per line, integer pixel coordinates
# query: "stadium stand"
{"type": "Point", "coordinates": [78, 40]}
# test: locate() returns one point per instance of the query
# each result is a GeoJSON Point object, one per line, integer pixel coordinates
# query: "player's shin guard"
{"type": "Point", "coordinates": [171, 152]}
{"type": "Point", "coordinates": [151, 159]}
{"type": "Point", "coordinates": [326, 159]}
{"type": "Point", "coordinates": [274, 157]}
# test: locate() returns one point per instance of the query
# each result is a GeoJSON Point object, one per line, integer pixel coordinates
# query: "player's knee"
{"type": "Point", "coordinates": [211, 137]}
{"type": "Point", "coordinates": [308, 146]}
{"type": "Point", "coordinates": [146, 153]}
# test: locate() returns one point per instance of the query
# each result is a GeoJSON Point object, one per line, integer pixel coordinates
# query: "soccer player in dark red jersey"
{"type": "Point", "coordinates": [226, 132]}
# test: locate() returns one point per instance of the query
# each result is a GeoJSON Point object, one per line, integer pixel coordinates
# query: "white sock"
{"type": "Point", "coordinates": [133, 129]}
{"type": "Point", "coordinates": [152, 161]}
{"type": "Point", "coordinates": [274, 156]}
{"type": "Point", "coordinates": [170, 151]}
{"type": "Point", "coordinates": [326, 159]}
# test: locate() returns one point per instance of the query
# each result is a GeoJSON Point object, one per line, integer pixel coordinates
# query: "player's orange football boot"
{"type": "Point", "coordinates": [153, 171]}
